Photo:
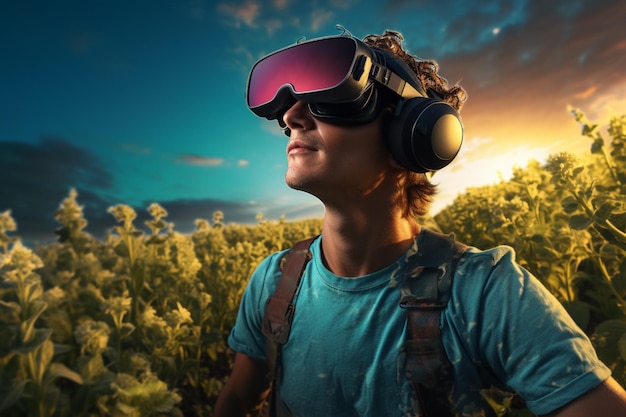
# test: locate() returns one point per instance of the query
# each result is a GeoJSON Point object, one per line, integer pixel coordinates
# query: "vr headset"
{"type": "Point", "coordinates": [341, 79]}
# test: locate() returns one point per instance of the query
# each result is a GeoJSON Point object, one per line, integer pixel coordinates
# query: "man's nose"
{"type": "Point", "coordinates": [298, 116]}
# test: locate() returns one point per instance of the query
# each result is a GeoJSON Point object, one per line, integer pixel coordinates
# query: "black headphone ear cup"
{"type": "Point", "coordinates": [424, 134]}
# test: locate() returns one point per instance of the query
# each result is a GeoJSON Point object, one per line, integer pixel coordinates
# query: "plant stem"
{"type": "Point", "coordinates": [614, 229]}
{"type": "Point", "coordinates": [609, 162]}
{"type": "Point", "coordinates": [605, 274]}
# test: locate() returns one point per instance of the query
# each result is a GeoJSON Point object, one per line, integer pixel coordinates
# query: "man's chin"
{"type": "Point", "coordinates": [299, 184]}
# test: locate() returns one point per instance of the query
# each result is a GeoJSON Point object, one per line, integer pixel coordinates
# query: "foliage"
{"type": "Point", "coordinates": [567, 223]}
{"type": "Point", "coordinates": [135, 324]}
{"type": "Point", "coordinates": [131, 325]}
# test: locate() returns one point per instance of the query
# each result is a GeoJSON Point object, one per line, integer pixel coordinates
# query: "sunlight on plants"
{"type": "Point", "coordinates": [135, 324]}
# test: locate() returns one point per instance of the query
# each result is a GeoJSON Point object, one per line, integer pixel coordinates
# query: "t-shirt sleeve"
{"type": "Point", "coordinates": [515, 327]}
{"type": "Point", "coordinates": [247, 336]}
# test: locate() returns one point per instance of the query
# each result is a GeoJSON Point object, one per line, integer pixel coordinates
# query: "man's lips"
{"type": "Point", "coordinates": [298, 146]}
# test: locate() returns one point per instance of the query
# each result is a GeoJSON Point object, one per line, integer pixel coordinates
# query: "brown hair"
{"type": "Point", "coordinates": [426, 70]}
{"type": "Point", "coordinates": [418, 190]}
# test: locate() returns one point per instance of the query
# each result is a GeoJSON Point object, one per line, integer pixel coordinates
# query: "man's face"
{"type": "Point", "coordinates": [331, 161]}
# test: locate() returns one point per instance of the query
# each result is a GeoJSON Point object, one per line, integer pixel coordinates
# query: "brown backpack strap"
{"type": "Point", "coordinates": [425, 294]}
{"type": "Point", "coordinates": [279, 315]}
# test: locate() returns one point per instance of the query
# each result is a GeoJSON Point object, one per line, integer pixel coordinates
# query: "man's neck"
{"type": "Point", "coordinates": [355, 244]}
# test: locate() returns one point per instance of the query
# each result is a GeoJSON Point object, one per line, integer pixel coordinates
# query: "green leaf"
{"type": "Point", "coordinates": [155, 240]}
{"type": "Point", "coordinates": [14, 392]}
{"type": "Point", "coordinates": [159, 224]}
{"type": "Point", "coordinates": [60, 349]}
{"type": "Point", "coordinates": [127, 409]}
{"type": "Point", "coordinates": [93, 368]}
{"type": "Point", "coordinates": [34, 291]}
{"type": "Point", "coordinates": [538, 238]}
{"type": "Point", "coordinates": [619, 279]}
{"type": "Point", "coordinates": [619, 219]}
{"type": "Point", "coordinates": [605, 210]}
{"type": "Point", "coordinates": [38, 337]}
{"type": "Point", "coordinates": [580, 222]}
{"type": "Point", "coordinates": [45, 353]}
{"type": "Point", "coordinates": [589, 129]}
{"type": "Point", "coordinates": [569, 204]}
{"type": "Point", "coordinates": [621, 346]}
{"type": "Point", "coordinates": [606, 338]}
{"type": "Point", "coordinates": [10, 311]}
{"type": "Point", "coordinates": [122, 251]}
{"type": "Point", "coordinates": [127, 329]}
{"type": "Point", "coordinates": [579, 311]}
{"type": "Point", "coordinates": [58, 370]}
{"type": "Point", "coordinates": [63, 233]}
{"type": "Point", "coordinates": [610, 236]}
{"type": "Point", "coordinates": [212, 352]}
{"type": "Point", "coordinates": [597, 145]}
{"type": "Point", "coordinates": [609, 250]}
{"type": "Point", "coordinates": [27, 328]}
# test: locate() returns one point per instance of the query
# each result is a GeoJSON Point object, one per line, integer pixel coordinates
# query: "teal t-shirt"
{"type": "Point", "coordinates": [501, 328]}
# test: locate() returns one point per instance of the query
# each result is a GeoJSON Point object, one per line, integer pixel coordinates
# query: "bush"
{"type": "Point", "coordinates": [133, 325]}
{"type": "Point", "coordinates": [136, 324]}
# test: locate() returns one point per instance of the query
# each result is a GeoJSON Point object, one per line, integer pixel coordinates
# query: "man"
{"type": "Point", "coordinates": [366, 123]}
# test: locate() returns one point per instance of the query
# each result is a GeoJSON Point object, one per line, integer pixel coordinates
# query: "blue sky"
{"type": "Point", "coordinates": [137, 102]}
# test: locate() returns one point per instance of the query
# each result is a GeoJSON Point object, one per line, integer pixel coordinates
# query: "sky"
{"type": "Point", "coordinates": [135, 102]}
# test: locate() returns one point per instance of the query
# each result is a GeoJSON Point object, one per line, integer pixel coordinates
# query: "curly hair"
{"type": "Point", "coordinates": [418, 190]}
{"type": "Point", "coordinates": [426, 70]}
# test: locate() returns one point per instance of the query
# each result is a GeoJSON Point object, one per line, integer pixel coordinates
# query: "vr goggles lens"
{"type": "Point", "coordinates": [326, 70]}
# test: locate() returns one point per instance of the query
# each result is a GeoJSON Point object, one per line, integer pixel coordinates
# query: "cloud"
{"type": "Point", "coordinates": [319, 18]}
{"type": "Point", "coordinates": [205, 161]}
{"type": "Point", "coordinates": [134, 148]}
{"type": "Point", "coordinates": [545, 55]}
{"type": "Point", "coordinates": [36, 177]}
{"type": "Point", "coordinates": [475, 145]}
{"type": "Point", "coordinates": [245, 13]}
{"type": "Point", "coordinates": [197, 160]}
{"type": "Point", "coordinates": [587, 93]}
{"type": "Point", "coordinates": [184, 212]}
{"type": "Point", "coordinates": [520, 82]}
{"type": "Point", "coordinates": [272, 25]}
{"type": "Point", "coordinates": [547, 51]}
{"type": "Point", "coordinates": [344, 4]}
{"type": "Point", "coordinates": [280, 4]}
{"type": "Point", "coordinates": [482, 169]}
{"type": "Point", "coordinates": [295, 212]}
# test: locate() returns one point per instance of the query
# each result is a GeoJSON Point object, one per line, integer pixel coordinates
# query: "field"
{"type": "Point", "coordinates": [135, 324]}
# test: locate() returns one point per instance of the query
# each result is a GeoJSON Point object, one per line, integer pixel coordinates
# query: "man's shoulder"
{"type": "Point", "coordinates": [268, 272]}
{"type": "Point", "coordinates": [265, 277]}
{"type": "Point", "coordinates": [470, 254]}
{"type": "Point", "coordinates": [484, 258]}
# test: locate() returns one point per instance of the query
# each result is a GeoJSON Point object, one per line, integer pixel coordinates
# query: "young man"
{"type": "Point", "coordinates": [366, 122]}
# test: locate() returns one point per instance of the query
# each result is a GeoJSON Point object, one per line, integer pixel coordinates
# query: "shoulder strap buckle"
{"type": "Point", "coordinates": [409, 302]}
